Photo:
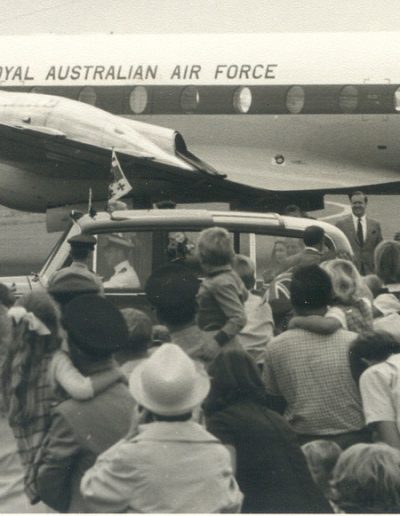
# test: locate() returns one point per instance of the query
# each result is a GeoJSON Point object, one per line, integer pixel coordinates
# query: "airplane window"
{"type": "Point", "coordinates": [88, 96]}
{"type": "Point", "coordinates": [397, 100]}
{"type": "Point", "coordinates": [348, 99]}
{"type": "Point", "coordinates": [138, 99]}
{"type": "Point", "coordinates": [242, 100]}
{"type": "Point", "coordinates": [190, 99]}
{"type": "Point", "coordinates": [295, 99]}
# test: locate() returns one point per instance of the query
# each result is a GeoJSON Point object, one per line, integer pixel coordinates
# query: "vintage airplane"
{"type": "Point", "coordinates": [273, 118]}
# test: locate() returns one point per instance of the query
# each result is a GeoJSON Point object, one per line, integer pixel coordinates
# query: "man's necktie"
{"type": "Point", "coordinates": [360, 235]}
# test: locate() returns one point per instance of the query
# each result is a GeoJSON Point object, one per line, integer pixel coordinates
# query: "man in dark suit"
{"type": "Point", "coordinates": [364, 233]}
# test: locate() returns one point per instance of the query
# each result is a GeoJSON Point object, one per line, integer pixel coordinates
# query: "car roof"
{"type": "Point", "coordinates": [197, 219]}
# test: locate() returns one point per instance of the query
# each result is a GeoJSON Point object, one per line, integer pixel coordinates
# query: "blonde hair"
{"type": "Point", "coordinates": [321, 456]}
{"type": "Point", "coordinates": [387, 261]}
{"type": "Point", "coordinates": [214, 247]}
{"type": "Point", "coordinates": [346, 280]}
{"type": "Point", "coordinates": [245, 269]}
{"type": "Point", "coordinates": [366, 478]}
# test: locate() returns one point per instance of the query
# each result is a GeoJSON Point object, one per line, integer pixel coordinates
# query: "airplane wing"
{"type": "Point", "coordinates": [294, 171]}
{"type": "Point", "coordinates": [64, 157]}
{"type": "Point", "coordinates": [246, 177]}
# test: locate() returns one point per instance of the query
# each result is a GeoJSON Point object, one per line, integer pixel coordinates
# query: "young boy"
{"type": "Point", "coordinates": [222, 293]}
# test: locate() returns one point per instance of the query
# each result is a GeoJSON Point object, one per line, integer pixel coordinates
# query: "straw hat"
{"type": "Point", "coordinates": [169, 383]}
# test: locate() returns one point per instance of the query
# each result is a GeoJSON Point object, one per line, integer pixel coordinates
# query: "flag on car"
{"type": "Point", "coordinates": [119, 186]}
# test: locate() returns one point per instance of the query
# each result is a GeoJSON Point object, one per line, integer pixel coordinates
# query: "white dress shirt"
{"type": "Point", "coordinates": [363, 225]}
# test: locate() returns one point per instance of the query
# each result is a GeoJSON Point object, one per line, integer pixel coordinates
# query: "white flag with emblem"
{"type": "Point", "coordinates": [120, 186]}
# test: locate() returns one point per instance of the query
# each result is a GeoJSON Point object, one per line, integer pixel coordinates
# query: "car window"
{"type": "Point", "coordinates": [125, 260]}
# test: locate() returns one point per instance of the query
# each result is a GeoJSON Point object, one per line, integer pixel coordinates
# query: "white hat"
{"type": "Point", "coordinates": [169, 383]}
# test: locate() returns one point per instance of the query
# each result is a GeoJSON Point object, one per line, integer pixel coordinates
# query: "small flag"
{"type": "Point", "coordinates": [120, 186]}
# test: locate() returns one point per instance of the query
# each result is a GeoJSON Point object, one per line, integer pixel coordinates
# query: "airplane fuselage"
{"type": "Point", "coordinates": [291, 113]}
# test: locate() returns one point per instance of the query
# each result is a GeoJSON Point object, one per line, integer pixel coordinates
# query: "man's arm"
{"type": "Point", "coordinates": [55, 469]}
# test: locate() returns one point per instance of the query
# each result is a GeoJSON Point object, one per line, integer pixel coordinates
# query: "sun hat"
{"type": "Point", "coordinates": [169, 383]}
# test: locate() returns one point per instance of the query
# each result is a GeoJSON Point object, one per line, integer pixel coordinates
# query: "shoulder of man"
{"type": "Point", "coordinates": [343, 220]}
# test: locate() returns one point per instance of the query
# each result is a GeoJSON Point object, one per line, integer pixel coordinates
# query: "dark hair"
{"type": "Point", "coordinates": [313, 235]}
{"type": "Point", "coordinates": [177, 314]}
{"type": "Point", "coordinates": [358, 192]}
{"type": "Point", "coordinates": [374, 345]}
{"type": "Point", "coordinates": [234, 376]}
{"type": "Point", "coordinates": [311, 287]}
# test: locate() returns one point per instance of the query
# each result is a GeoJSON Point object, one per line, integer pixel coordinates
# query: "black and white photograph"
{"type": "Point", "coordinates": [200, 259]}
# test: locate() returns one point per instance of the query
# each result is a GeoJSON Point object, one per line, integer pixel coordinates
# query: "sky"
{"type": "Point", "coordinates": [163, 16]}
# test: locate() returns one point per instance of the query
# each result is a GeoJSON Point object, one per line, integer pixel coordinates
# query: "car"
{"type": "Point", "coordinates": [151, 238]}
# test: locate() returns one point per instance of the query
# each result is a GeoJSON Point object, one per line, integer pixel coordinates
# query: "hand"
{"type": "Point", "coordinates": [140, 416]}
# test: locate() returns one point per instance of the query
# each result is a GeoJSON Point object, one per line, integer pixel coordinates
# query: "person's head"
{"type": "Point", "coordinates": [169, 383]}
{"type": "Point", "coordinates": [294, 211]}
{"type": "Point", "coordinates": [177, 245]}
{"type": "Point", "coordinates": [36, 334]}
{"type": "Point", "coordinates": [96, 328]}
{"type": "Point", "coordinates": [374, 283]}
{"type": "Point", "coordinates": [140, 331]}
{"type": "Point", "coordinates": [172, 290]}
{"type": "Point", "coordinates": [160, 335]}
{"type": "Point", "coordinates": [245, 269]}
{"type": "Point", "coordinates": [68, 284]}
{"type": "Point", "coordinates": [387, 261]}
{"type": "Point", "coordinates": [279, 251]}
{"type": "Point", "coordinates": [7, 296]}
{"type": "Point", "coordinates": [314, 237]}
{"type": "Point", "coordinates": [214, 247]}
{"type": "Point", "coordinates": [117, 249]}
{"type": "Point", "coordinates": [42, 305]}
{"type": "Point", "coordinates": [81, 246]}
{"type": "Point", "coordinates": [234, 376]}
{"type": "Point", "coordinates": [346, 280]}
{"type": "Point", "coordinates": [321, 456]}
{"type": "Point", "coordinates": [358, 202]}
{"type": "Point", "coordinates": [366, 479]}
{"type": "Point", "coordinates": [310, 290]}
{"type": "Point", "coordinates": [116, 205]}
{"type": "Point", "coordinates": [371, 348]}
{"type": "Point", "coordinates": [293, 246]}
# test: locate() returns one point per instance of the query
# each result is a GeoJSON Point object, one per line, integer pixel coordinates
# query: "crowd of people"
{"type": "Point", "coordinates": [223, 399]}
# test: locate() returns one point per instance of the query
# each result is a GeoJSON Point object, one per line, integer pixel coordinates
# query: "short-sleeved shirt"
{"type": "Point", "coordinates": [312, 373]}
{"type": "Point", "coordinates": [380, 391]}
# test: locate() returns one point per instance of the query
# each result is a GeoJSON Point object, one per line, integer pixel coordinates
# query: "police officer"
{"type": "Point", "coordinates": [81, 249]}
